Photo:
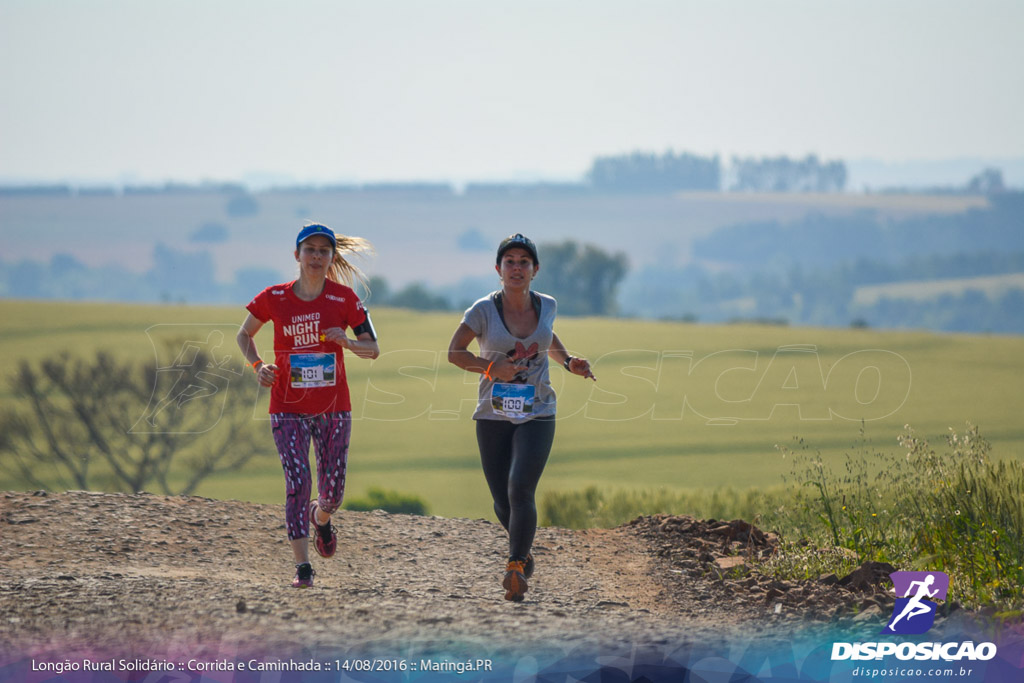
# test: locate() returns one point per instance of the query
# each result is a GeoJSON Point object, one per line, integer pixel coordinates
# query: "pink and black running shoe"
{"type": "Point", "coordinates": [303, 576]}
{"type": "Point", "coordinates": [325, 540]}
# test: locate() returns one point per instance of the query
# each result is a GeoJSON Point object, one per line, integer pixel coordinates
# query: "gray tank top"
{"type": "Point", "coordinates": [529, 394]}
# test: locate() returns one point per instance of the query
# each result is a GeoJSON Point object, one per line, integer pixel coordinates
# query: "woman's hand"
{"type": "Point", "coordinates": [581, 367]}
{"type": "Point", "coordinates": [505, 370]}
{"type": "Point", "coordinates": [267, 374]}
{"type": "Point", "coordinates": [336, 335]}
{"type": "Point", "coordinates": [363, 346]}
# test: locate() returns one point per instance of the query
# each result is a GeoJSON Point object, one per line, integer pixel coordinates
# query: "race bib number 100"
{"type": "Point", "coordinates": [513, 400]}
{"type": "Point", "coordinates": [310, 370]}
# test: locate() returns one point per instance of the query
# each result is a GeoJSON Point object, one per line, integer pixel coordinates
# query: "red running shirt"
{"type": "Point", "coordinates": [310, 371]}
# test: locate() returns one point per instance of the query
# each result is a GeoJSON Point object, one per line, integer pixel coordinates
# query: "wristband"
{"type": "Point", "coordinates": [487, 372]}
{"type": "Point", "coordinates": [566, 362]}
{"type": "Point", "coordinates": [255, 363]}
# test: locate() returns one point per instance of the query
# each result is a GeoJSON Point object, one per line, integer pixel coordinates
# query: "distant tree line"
{"type": "Point", "coordinates": [809, 272]}
{"type": "Point", "coordinates": [782, 174]}
{"type": "Point", "coordinates": [583, 277]}
{"type": "Point", "coordinates": [820, 238]}
{"type": "Point", "coordinates": [640, 172]}
{"type": "Point", "coordinates": [646, 172]}
{"type": "Point", "coordinates": [825, 297]}
{"type": "Point", "coordinates": [177, 276]}
{"type": "Point", "coordinates": [637, 172]}
{"type": "Point", "coordinates": [66, 190]}
{"type": "Point", "coordinates": [988, 181]}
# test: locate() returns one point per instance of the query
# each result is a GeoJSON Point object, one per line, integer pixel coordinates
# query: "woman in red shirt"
{"type": "Point", "coordinates": [309, 397]}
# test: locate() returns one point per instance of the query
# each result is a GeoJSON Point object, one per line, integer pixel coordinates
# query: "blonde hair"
{"type": "Point", "coordinates": [342, 270]}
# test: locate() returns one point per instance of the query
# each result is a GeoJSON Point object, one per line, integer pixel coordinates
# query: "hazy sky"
{"type": "Point", "coordinates": [494, 89]}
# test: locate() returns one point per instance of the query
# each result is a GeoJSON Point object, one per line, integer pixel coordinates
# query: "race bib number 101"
{"type": "Point", "coordinates": [310, 370]}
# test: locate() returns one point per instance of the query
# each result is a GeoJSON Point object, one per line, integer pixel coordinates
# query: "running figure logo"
{"type": "Point", "coordinates": [914, 611]}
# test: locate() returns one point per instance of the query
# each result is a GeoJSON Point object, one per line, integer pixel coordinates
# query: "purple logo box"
{"type": "Point", "coordinates": [901, 583]}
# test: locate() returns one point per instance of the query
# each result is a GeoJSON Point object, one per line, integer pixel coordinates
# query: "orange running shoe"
{"type": "Point", "coordinates": [514, 582]}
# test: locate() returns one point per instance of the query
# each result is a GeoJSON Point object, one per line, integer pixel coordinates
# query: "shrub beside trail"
{"type": "Point", "coordinates": [956, 510]}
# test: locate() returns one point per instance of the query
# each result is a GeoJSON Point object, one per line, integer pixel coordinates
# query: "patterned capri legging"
{"type": "Point", "coordinates": [330, 433]}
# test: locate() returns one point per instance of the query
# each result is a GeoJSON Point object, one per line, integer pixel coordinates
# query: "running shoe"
{"type": "Point", "coordinates": [514, 582]}
{"type": "Point", "coordinates": [303, 576]}
{"type": "Point", "coordinates": [528, 566]}
{"type": "Point", "coordinates": [325, 541]}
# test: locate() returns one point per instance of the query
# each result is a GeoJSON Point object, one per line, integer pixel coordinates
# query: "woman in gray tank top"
{"type": "Point", "coordinates": [515, 413]}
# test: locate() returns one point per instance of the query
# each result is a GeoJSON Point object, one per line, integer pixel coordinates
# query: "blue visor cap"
{"type": "Point", "coordinates": [517, 240]}
{"type": "Point", "coordinates": [316, 229]}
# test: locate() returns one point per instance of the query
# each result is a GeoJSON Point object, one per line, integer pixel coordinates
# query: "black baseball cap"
{"type": "Point", "coordinates": [518, 240]}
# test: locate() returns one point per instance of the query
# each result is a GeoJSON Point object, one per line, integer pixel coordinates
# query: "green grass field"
{"type": "Point", "coordinates": [679, 406]}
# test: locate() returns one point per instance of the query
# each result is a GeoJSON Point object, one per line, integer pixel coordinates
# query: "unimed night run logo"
{"type": "Point", "coordinates": [914, 611]}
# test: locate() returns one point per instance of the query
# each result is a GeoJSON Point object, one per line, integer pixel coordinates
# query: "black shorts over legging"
{"type": "Point", "coordinates": [513, 457]}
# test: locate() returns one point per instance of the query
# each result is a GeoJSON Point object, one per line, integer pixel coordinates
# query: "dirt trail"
{"type": "Point", "coordinates": [145, 575]}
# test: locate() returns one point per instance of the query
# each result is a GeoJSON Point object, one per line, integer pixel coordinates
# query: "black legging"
{"type": "Point", "coordinates": [513, 457]}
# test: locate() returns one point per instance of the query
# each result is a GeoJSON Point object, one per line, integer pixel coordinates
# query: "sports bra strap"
{"type": "Point", "coordinates": [497, 299]}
